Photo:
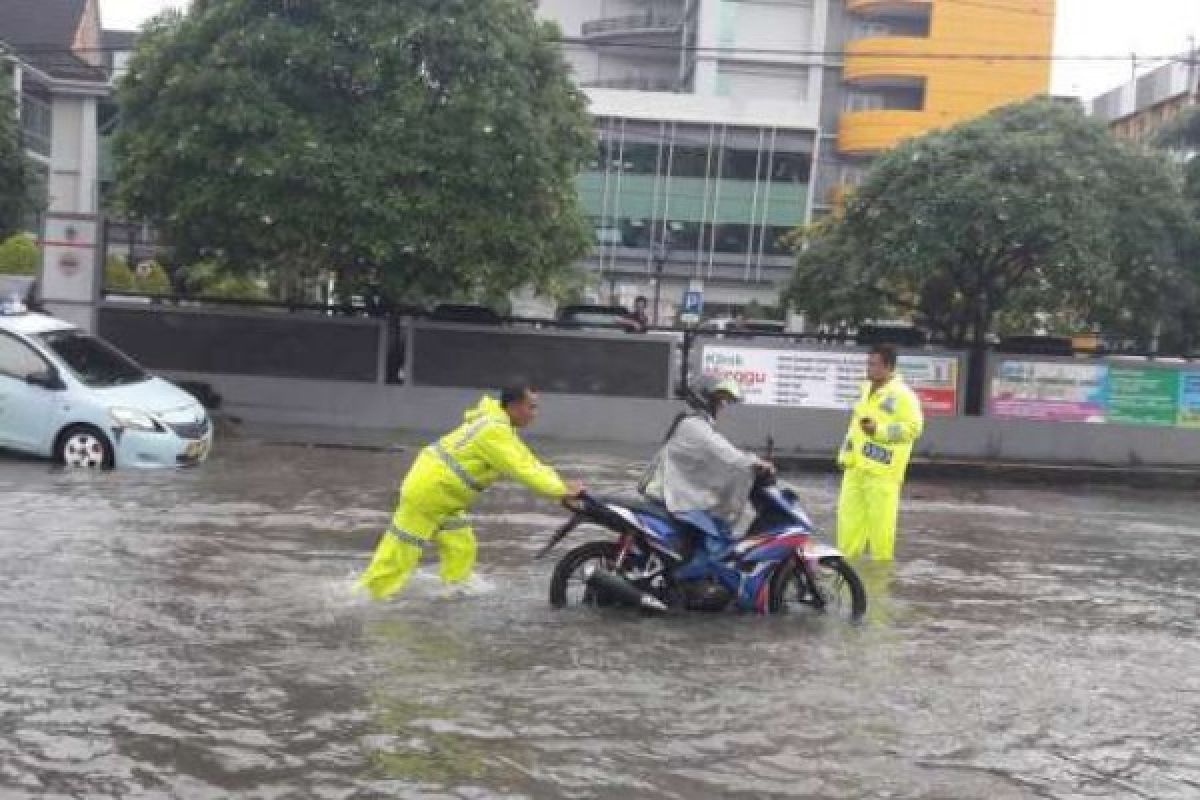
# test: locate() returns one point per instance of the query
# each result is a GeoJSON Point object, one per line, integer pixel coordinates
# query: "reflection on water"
{"type": "Point", "coordinates": [195, 635]}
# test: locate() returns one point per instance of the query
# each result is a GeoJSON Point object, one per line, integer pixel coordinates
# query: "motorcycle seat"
{"type": "Point", "coordinates": [640, 505]}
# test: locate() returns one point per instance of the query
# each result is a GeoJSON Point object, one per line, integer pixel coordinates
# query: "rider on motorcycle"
{"type": "Point", "coordinates": [699, 475]}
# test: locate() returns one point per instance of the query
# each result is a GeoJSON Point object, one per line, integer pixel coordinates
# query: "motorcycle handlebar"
{"type": "Point", "coordinates": [577, 504]}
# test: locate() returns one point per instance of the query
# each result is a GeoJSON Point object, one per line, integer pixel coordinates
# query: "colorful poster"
{"type": "Point", "coordinates": [1189, 400]}
{"type": "Point", "coordinates": [935, 380]}
{"type": "Point", "coordinates": [827, 379]}
{"type": "Point", "coordinates": [1143, 395]}
{"type": "Point", "coordinates": [1052, 391]}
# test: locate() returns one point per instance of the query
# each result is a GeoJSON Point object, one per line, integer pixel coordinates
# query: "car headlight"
{"type": "Point", "coordinates": [135, 420]}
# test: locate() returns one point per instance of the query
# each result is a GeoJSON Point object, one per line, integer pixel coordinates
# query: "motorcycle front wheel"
{"type": "Point", "coordinates": [831, 586]}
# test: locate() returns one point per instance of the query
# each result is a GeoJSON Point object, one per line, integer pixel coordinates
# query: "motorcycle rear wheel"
{"type": "Point", "coordinates": [567, 584]}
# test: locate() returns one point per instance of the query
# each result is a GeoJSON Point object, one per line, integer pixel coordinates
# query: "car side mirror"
{"type": "Point", "coordinates": [47, 379]}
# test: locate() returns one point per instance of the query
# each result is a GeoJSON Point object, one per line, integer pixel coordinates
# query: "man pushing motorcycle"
{"type": "Point", "coordinates": [444, 482]}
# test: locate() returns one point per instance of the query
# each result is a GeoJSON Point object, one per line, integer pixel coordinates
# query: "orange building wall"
{"type": "Point", "coordinates": [955, 90]}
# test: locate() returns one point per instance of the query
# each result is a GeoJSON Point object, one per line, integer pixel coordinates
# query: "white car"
{"type": "Point", "coordinates": [70, 396]}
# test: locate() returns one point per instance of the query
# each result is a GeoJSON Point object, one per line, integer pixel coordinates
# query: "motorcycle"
{"type": "Point", "coordinates": [780, 561]}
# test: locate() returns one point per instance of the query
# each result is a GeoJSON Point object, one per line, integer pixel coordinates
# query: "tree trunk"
{"type": "Point", "coordinates": [977, 366]}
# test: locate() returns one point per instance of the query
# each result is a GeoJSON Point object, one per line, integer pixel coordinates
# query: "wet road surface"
{"type": "Point", "coordinates": [194, 635]}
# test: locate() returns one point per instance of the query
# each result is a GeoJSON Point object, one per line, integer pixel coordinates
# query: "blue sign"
{"type": "Point", "coordinates": [693, 302]}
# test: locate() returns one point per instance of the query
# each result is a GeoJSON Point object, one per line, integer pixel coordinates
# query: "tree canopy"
{"type": "Point", "coordinates": [1183, 135]}
{"type": "Point", "coordinates": [16, 173]}
{"type": "Point", "coordinates": [435, 142]}
{"type": "Point", "coordinates": [1031, 215]}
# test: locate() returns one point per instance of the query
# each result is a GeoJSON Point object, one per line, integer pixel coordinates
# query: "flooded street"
{"type": "Point", "coordinates": [194, 635]}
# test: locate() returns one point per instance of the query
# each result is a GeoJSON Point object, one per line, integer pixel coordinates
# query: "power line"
{"type": "Point", "coordinates": [46, 49]}
{"type": "Point", "coordinates": [907, 54]}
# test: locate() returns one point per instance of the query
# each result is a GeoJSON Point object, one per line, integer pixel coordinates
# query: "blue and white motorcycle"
{"type": "Point", "coordinates": [780, 563]}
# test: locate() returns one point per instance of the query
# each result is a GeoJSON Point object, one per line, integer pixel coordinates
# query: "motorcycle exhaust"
{"type": "Point", "coordinates": [603, 580]}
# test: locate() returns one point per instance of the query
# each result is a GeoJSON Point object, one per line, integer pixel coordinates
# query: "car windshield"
{"type": "Point", "coordinates": [94, 362]}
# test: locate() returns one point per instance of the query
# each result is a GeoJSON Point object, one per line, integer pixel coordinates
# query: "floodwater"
{"type": "Point", "coordinates": [194, 635]}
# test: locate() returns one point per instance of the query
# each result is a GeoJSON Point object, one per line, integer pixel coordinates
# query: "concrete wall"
{"type": "Point", "coordinates": [322, 403]}
{"type": "Point", "coordinates": [642, 423]}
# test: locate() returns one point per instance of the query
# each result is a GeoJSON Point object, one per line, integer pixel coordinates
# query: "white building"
{"type": "Point", "coordinates": [54, 58]}
{"type": "Point", "coordinates": [706, 115]}
{"type": "Point", "coordinates": [1137, 109]}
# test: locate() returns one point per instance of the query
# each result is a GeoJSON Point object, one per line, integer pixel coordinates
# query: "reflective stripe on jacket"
{"type": "Point", "coordinates": [481, 451]}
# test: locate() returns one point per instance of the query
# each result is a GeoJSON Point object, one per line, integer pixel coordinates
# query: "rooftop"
{"type": "Point", "coordinates": [43, 33]}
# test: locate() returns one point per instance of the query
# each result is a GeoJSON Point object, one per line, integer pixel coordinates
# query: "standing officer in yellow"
{"type": "Point", "coordinates": [444, 482]}
{"type": "Point", "coordinates": [887, 421]}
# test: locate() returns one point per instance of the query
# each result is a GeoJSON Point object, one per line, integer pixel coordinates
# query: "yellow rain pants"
{"type": "Point", "coordinates": [867, 511]}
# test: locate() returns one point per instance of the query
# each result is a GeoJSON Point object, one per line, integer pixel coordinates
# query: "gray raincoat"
{"type": "Point", "coordinates": [697, 469]}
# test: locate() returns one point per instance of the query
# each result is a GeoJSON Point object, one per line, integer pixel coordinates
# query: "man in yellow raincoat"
{"type": "Point", "coordinates": [444, 482]}
{"type": "Point", "coordinates": [886, 422]}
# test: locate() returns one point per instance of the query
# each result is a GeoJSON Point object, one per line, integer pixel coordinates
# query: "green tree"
{"type": "Point", "coordinates": [18, 255]}
{"type": "Point", "coordinates": [118, 277]}
{"type": "Point", "coordinates": [434, 140]}
{"type": "Point", "coordinates": [1032, 210]}
{"type": "Point", "coordinates": [1181, 140]}
{"type": "Point", "coordinates": [16, 173]}
{"type": "Point", "coordinates": [1182, 135]}
{"type": "Point", "coordinates": [1182, 132]}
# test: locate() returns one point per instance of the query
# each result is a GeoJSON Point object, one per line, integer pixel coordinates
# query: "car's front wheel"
{"type": "Point", "coordinates": [84, 446]}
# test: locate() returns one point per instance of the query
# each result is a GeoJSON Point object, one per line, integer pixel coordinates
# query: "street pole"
{"type": "Point", "coordinates": [662, 250]}
{"type": "Point", "coordinates": [658, 272]}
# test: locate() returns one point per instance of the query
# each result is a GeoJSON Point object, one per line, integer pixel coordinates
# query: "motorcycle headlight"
{"type": "Point", "coordinates": [135, 420]}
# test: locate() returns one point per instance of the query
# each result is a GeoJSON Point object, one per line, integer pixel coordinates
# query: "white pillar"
{"type": "Point", "coordinates": [72, 270]}
{"type": "Point", "coordinates": [89, 132]}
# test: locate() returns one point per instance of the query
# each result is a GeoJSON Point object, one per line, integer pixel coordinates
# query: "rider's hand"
{"type": "Point", "coordinates": [571, 500]}
{"type": "Point", "coordinates": [868, 426]}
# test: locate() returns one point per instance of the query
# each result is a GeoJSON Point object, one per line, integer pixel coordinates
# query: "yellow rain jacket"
{"type": "Point", "coordinates": [899, 422]}
{"type": "Point", "coordinates": [875, 466]}
{"type": "Point", "coordinates": [442, 485]}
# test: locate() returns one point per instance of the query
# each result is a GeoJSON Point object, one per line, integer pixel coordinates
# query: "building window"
{"type": "Point", "coordinates": [898, 98]}
{"type": "Point", "coordinates": [764, 82]}
{"type": "Point", "coordinates": [715, 190]}
{"type": "Point", "coordinates": [37, 124]}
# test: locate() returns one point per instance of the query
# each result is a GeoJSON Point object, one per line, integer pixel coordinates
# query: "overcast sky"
{"type": "Point", "coordinates": [1085, 27]}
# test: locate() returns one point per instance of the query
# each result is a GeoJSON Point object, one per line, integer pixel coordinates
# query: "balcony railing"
{"type": "Point", "coordinates": [894, 8]}
{"type": "Point", "coordinates": [862, 132]}
{"type": "Point", "coordinates": [883, 59]}
{"type": "Point", "coordinates": [635, 84]}
{"type": "Point", "coordinates": [649, 22]}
